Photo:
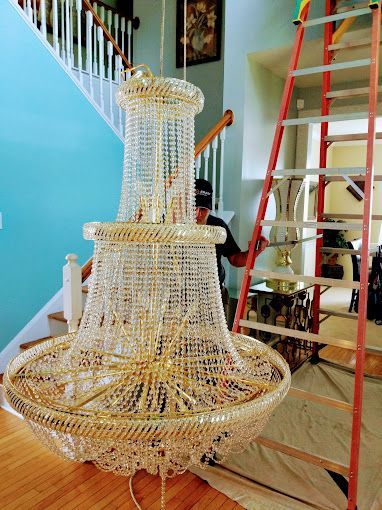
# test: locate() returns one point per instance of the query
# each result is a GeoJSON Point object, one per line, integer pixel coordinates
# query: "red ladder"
{"type": "Point", "coordinates": [330, 46]}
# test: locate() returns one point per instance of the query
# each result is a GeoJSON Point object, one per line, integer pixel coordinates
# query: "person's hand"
{"type": "Point", "coordinates": [263, 243]}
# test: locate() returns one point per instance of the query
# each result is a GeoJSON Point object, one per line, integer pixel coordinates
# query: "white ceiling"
{"type": "Point", "coordinates": [277, 60]}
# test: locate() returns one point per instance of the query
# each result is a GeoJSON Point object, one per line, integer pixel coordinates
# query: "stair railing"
{"type": "Point", "coordinates": [80, 34]}
{"type": "Point", "coordinates": [214, 139]}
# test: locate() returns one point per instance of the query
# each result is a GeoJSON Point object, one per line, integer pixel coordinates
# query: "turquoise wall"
{"type": "Point", "coordinates": [61, 166]}
{"type": "Point", "coordinates": [208, 77]}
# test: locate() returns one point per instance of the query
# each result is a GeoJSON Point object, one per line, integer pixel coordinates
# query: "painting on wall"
{"type": "Point", "coordinates": [203, 31]}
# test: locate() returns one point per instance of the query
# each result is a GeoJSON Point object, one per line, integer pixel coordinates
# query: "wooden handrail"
{"type": "Point", "coordinates": [87, 6]}
{"type": "Point", "coordinates": [135, 21]}
{"type": "Point", "coordinates": [226, 120]}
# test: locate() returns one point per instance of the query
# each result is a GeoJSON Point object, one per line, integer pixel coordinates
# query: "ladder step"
{"type": "Point", "coordinates": [343, 94]}
{"type": "Point", "coordinates": [301, 335]}
{"type": "Point", "coordinates": [324, 225]}
{"type": "Point", "coordinates": [334, 313]}
{"type": "Point", "coordinates": [320, 399]}
{"type": "Point", "coordinates": [311, 280]}
{"type": "Point", "coordinates": [332, 67]}
{"type": "Point", "coordinates": [348, 216]}
{"type": "Point", "coordinates": [341, 251]}
{"type": "Point", "coordinates": [301, 455]}
{"type": "Point", "coordinates": [325, 118]}
{"type": "Point", "coordinates": [350, 137]}
{"type": "Point", "coordinates": [299, 172]}
{"type": "Point", "coordinates": [336, 17]}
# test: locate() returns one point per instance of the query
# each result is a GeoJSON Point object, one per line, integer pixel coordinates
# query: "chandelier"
{"type": "Point", "coordinates": [152, 379]}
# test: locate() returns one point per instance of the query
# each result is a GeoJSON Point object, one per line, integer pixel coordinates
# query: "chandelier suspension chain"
{"type": "Point", "coordinates": [184, 40]}
{"type": "Point", "coordinates": [162, 37]}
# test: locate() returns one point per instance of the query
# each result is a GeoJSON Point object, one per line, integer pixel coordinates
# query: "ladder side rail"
{"type": "Point", "coordinates": [284, 108]}
{"type": "Point", "coordinates": [325, 108]}
{"type": "Point", "coordinates": [364, 271]}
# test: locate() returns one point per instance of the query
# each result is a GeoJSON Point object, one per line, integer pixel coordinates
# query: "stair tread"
{"type": "Point", "coordinates": [32, 343]}
{"type": "Point", "coordinates": [58, 316]}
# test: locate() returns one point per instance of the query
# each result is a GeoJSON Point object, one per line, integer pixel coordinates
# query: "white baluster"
{"type": "Point", "coordinates": [24, 5]}
{"type": "Point", "coordinates": [110, 77]}
{"type": "Point", "coordinates": [71, 31]}
{"type": "Point", "coordinates": [43, 18]}
{"type": "Point", "coordinates": [95, 45]}
{"type": "Point", "coordinates": [63, 37]}
{"type": "Point", "coordinates": [89, 52]}
{"type": "Point", "coordinates": [79, 38]}
{"type": "Point", "coordinates": [129, 39]}
{"type": "Point", "coordinates": [221, 186]}
{"type": "Point", "coordinates": [214, 150]}
{"type": "Point", "coordinates": [29, 10]}
{"type": "Point", "coordinates": [56, 44]}
{"type": "Point", "coordinates": [123, 34]}
{"type": "Point", "coordinates": [109, 20]}
{"type": "Point", "coordinates": [116, 27]}
{"type": "Point", "coordinates": [119, 79]}
{"type": "Point", "coordinates": [72, 291]}
{"type": "Point", "coordinates": [101, 65]}
{"type": "Point", "coordinates": [198, 164]}
{"type": "Point", "coordinates": [68, 45]}
{"type": "Point", "coordinates": [35, 12]}
{"type": "Point", "coordinates": [206, 155]}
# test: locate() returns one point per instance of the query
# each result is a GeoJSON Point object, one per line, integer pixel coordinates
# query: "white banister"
{"type": "Point", "coordinates": [206, 155]}
{"type": "Point", "coordinates": [198, 164]}
{"type": "Point", "coordinates": [35, 12]}
{"type": "Point", "coordinates": [129, 40]}
{"type": "Point", "coordinates": [67, 31]}
{"type": "Point", "coordinates": [116, 27]}
{"type": "Point", "coordinates": [110, 78]}
{"type": "Point", "coordinates": [119, 79]}
{"type": "Point", "coordinates": [29, 10]}
{"type": "Point", "coordinates": [123, 34]}
{"type": "Point", "coordinates": [89, 52]}
{"type": "Point", "coordinates": [95, 61]}
{"type": "Point", "coordinates": [109, 20]}
{"type": "Point", "coordinates": [101, 66]}
{"type": "Point", "coordinates": [221, 177]}
{"type": "Point", "coordinates": [43, 17]}
{"type": "Point", "coordinates": [79, 39]}
{"type": "Point", "coordinates": [72, 292]}
{"type": "Point", "coordinates": [214, 156]}
{"type": "Point", "coordinates": [56, 44]}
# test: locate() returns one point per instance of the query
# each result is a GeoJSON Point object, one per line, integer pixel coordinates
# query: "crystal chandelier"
{"type": "Point", "coordinates": [153, 379]}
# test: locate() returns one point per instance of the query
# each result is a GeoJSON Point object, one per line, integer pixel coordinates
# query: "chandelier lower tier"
{"type": "Point", "coordinates": [153, 379]}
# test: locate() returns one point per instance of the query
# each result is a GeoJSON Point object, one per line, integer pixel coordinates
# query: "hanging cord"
{"type": "Point", "coordinates": [184, 39]}
{"type": "Point", "coordinates": [132, 493]}
{"type": "Point", "coordinates": [162, 36]}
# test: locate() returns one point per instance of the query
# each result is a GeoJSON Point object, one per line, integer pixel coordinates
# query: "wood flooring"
{"type": "Point", "coordinates": [33, 478]}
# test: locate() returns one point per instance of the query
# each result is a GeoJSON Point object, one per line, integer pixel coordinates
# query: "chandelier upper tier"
{"type": "Point", "coordinates": [152, 379]}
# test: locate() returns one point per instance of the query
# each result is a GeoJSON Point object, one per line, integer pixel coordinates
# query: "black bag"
{"type": "Point", "coordinates": [374, 301]}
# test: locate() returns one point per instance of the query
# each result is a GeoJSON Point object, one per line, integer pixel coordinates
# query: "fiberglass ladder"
{"type": "Point", "coordinates": [332, 14]}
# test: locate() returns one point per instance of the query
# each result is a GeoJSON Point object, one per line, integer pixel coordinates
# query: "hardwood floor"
{"type": "Point", "coordinates": [33, 478]}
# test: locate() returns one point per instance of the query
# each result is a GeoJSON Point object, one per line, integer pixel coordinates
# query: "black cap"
{"type": "Point", "coordinates": [203, 194]}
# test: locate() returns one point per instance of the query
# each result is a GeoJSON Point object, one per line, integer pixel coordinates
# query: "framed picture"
{"type": "Point", "coordinates": [203, 31]}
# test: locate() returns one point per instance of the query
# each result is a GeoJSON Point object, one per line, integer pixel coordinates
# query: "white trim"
{"type": "Point", "coordinates": [37, 32]}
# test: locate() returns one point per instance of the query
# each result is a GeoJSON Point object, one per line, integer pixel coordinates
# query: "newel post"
{"type": "Point", "coordinates": [72, 289]}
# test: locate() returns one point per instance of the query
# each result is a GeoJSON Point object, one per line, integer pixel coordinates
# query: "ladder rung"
{"type": "Point", "coordinates": [361, 178]}
{"type": "Point", "coordinates": [350, 137]}
{"type": "Point", "coordinates": [334, 313]}
{"type": "Point", "coordinates": [301, 335]}
{"type": "Point", "coordinates": [326, 118]}
{"type": "Point", "coordinates": [301, 455]}
{"type": "Point", "coordinates": [337, 17]}
{"type": "Point", "coordinates": [343, 94]}
{"type": "Point", "coordinates": [320, 399]}
{"type": "Point", "coordinates": [354, 43]}
{"type": "Point", "coordinates": [341, 251]}
{"type": "Point", "coordinates": [312, 280]}
{"type": "Point", "coordinates": [324, 225]}
{"type": "Point", "coordinates": [332, 67]}
{"type": "Point", "coordinates": [348, 216]}
{"type": "Point", "coordinates": [320, 171]}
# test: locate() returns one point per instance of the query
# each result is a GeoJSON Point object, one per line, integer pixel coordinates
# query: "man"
{"type": "Point", "coordinates": [229, 249]}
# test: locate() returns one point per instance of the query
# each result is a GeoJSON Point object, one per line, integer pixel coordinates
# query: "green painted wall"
{"type": "Point", "coordinates": [208, 77]}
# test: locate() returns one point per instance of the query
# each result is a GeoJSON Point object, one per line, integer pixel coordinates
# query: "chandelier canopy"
{"type": "Point", "coordinates": [152, 379]}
